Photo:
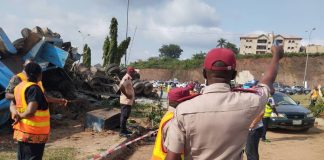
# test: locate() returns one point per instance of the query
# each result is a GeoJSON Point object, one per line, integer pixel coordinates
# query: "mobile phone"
{"type": "Point", "coordinates": [275, 42]}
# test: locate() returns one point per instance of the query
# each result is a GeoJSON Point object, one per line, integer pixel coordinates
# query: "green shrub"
{"type": "Point", "coordinates": [317, 109]}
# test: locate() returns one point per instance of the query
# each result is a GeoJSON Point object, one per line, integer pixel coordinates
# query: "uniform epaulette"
{"type": "Point", "coordinates": [244, 90]}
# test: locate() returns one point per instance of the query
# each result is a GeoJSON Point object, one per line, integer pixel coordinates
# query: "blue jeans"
{"type": "Point", "coordinates": [252, 144]}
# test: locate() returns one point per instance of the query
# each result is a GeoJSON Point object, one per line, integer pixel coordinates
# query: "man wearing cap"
{"type": "Point", "coordinates": [127, 98]}
{"type": "Point", "coordinates": [175, 97]}
{"type": "Point", "coordinates": [215, 124]}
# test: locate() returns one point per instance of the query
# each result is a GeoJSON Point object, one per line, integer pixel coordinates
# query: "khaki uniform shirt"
{"type": "Point", "coordinates": [127, 83]}
{"type": "Point", "coordinates": [215, 124]}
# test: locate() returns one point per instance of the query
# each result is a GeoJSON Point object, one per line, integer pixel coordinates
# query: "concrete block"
{"type": "Point", "coordinates": [102, 119]}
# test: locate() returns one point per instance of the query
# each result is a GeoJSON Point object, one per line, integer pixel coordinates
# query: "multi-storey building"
{"type": "Point", "coordinates": [261, 44]}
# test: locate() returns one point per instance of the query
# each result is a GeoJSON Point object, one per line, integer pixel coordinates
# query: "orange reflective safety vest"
{"type": "Point", "coordinates": [23, 77]}
{"type": "Point", "coordinates": [40, 122]}
{"type": "Point", "coordinates": [159, 152]}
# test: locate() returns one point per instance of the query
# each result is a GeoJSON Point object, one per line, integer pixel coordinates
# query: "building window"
{"type": "Point", "coordinates": [250, 47]}
{"type": "Point", "coordinates": [262, 41]}
{"type": "Point", "coordinates": [246, 47]}
{"type": "Point", "coordinates": [269, 42]}
{"type": "Point", "coordinates": [288, 47]}
{"type": "Point", "coordinates": [247, 40]}
{"type": "Point", "coordinates": [292, 47]}
{"type": "Point", "coordinates": [293, 41]}
{"type": "Point", "coordinates": [261, 47]}
{"type": "Point", "coordinates": [250, 40]}
{"type": "Point", "coordinates": [289, 41]}
{"type": "Point", "coordinates": [279, 41]}
{"type": "Point", "coordinates": [268, 48]}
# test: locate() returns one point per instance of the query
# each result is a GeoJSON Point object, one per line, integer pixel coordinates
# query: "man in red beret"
{"type": "Point", "coordinates": [214, 125]}
{"type": "Point", "coordinates": [175, 97]}
{"type": "Point", "coordinates": [127, 98]}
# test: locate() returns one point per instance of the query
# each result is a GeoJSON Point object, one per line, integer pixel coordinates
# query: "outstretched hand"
{"type": "Point", "coordinates": [63, 102]}
{"type": "Point", "coordinates": [277, 51]}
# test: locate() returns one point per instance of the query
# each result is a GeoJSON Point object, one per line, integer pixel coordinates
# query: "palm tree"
{"type": "Point", "coordinates": [221, 42]}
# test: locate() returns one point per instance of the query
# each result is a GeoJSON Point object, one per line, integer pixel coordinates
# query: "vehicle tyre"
{"type": "Point", "coordinates": [25, 32]}
{"type": "Point", "coordinates": [110, 66]}
{"type": "Point", "coordinates": [138, 87]}
{"type": "Point", "coordinates": [148, 88]}
{"type": "Point", "coordinates": [135, 81]}
{"type": "Point", "coordinates": [122, 72]}
{"type": "Point", "coordinates": [137, 76]}
{"type": "Point", "coordinates": [114, 70]}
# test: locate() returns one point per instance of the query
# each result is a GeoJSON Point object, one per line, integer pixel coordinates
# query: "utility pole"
{"type": "Point", "coordinates": [132, 41]}
{"type": "Point", "coordinates": [307, 54]}
{"type": "Point", "coordinates": [126, 30]}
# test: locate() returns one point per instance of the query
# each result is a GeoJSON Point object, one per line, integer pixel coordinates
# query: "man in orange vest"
{"type": "Point", "coordinates": [31, 115]}
{"type": "Point", "coordinates": [175, 97]}
{"type": "Point", "coordinates": [20, 77]}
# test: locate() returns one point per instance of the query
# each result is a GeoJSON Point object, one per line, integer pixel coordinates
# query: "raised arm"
{"type": "Point", "coordinates": [272, 70]}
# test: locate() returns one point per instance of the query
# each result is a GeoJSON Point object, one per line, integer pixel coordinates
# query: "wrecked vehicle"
{"type": "Point", "coordinates": [47, 49]}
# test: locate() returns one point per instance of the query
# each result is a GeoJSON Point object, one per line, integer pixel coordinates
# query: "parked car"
{"type": "Point", "coordinates": [298, 89]}
{"type": "Point", "coordinates": [307, 91]}
{"type": "Point", "coordinates": [288, 90]}
{"type": "Point", "coordinates": [291, 115]}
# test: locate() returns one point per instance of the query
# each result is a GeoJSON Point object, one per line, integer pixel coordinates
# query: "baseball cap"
{"type": "Point", "coordinates": [179, 95]}
{"type": "Point", "coordinates": [220, 54]}
{"type": "Point", "coordinates": [130, 69]}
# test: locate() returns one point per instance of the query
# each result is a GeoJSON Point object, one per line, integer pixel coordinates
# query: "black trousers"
{"type": "Point", "coordinates": [125, 111]}
{"type": "Point", "coordinates": [252, 144]}
{"type": "Point", "coordinates": [30, 151]}
{"type": "Point", "coordinates": [313, 102]}
{"type": "Point", "coordinates": [265, 122]}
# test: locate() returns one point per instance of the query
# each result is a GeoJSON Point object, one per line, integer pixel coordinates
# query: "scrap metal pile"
{"type": "Point", "coordinates": [63, 72]}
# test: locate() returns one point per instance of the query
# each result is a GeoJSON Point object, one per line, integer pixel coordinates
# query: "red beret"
{"type": "Point", "coordinates": [179, 95]}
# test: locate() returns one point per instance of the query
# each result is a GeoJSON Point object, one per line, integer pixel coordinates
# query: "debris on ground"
{"type": "Point", "coordinates": [64, 76]}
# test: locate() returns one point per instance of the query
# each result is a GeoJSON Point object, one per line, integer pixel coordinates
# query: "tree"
{"type": "Point", "coordinates": [200, 55]}
{"type": "Point", "coordinates": [170, 51]}
{"type": "Point", "coordinates": [105, 49]}
{"type": "Point", "coordinates": [232, 46]}
{"type": "Point", "coordinates": [86, 56]}
{"type": "Point", "coordinates": [221, 42]}
{"type": "Point", "coordinates": [112, 53]}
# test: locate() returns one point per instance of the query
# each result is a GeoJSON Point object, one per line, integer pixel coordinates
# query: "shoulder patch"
{"type": "Point", "coordinates": [245, 90]}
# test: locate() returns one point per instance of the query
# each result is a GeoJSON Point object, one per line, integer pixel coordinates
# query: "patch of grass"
{"type": "Point", "coordinates": [303, 99]}
{"type": "Point", "coordinates": [152, 112]}
{"type": "Point", "coordinates": [139, 110]}
{"type": "Point", "coordinates": [60, 154]}
{"type": "Point", "coordinates": [101, 150]}
{"type": "Point", "coordinates": [317, 110]}
{"type": "Point", "coordinates": [5, 155]}
{"type": "Point", "coordinates": [49, 154]}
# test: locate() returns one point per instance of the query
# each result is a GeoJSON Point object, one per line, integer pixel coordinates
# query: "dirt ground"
{"type": "Point", "coordinates": [68, 135]}
{"type": "Point", "coordinates": [284, 145]}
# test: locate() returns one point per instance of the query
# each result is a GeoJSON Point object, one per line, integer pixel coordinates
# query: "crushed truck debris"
{"type": "Point", "coordinates": [63, 74]}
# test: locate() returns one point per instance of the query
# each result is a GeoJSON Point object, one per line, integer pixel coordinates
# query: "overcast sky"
{"type": "Point", "coordinates": [195, 25]}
